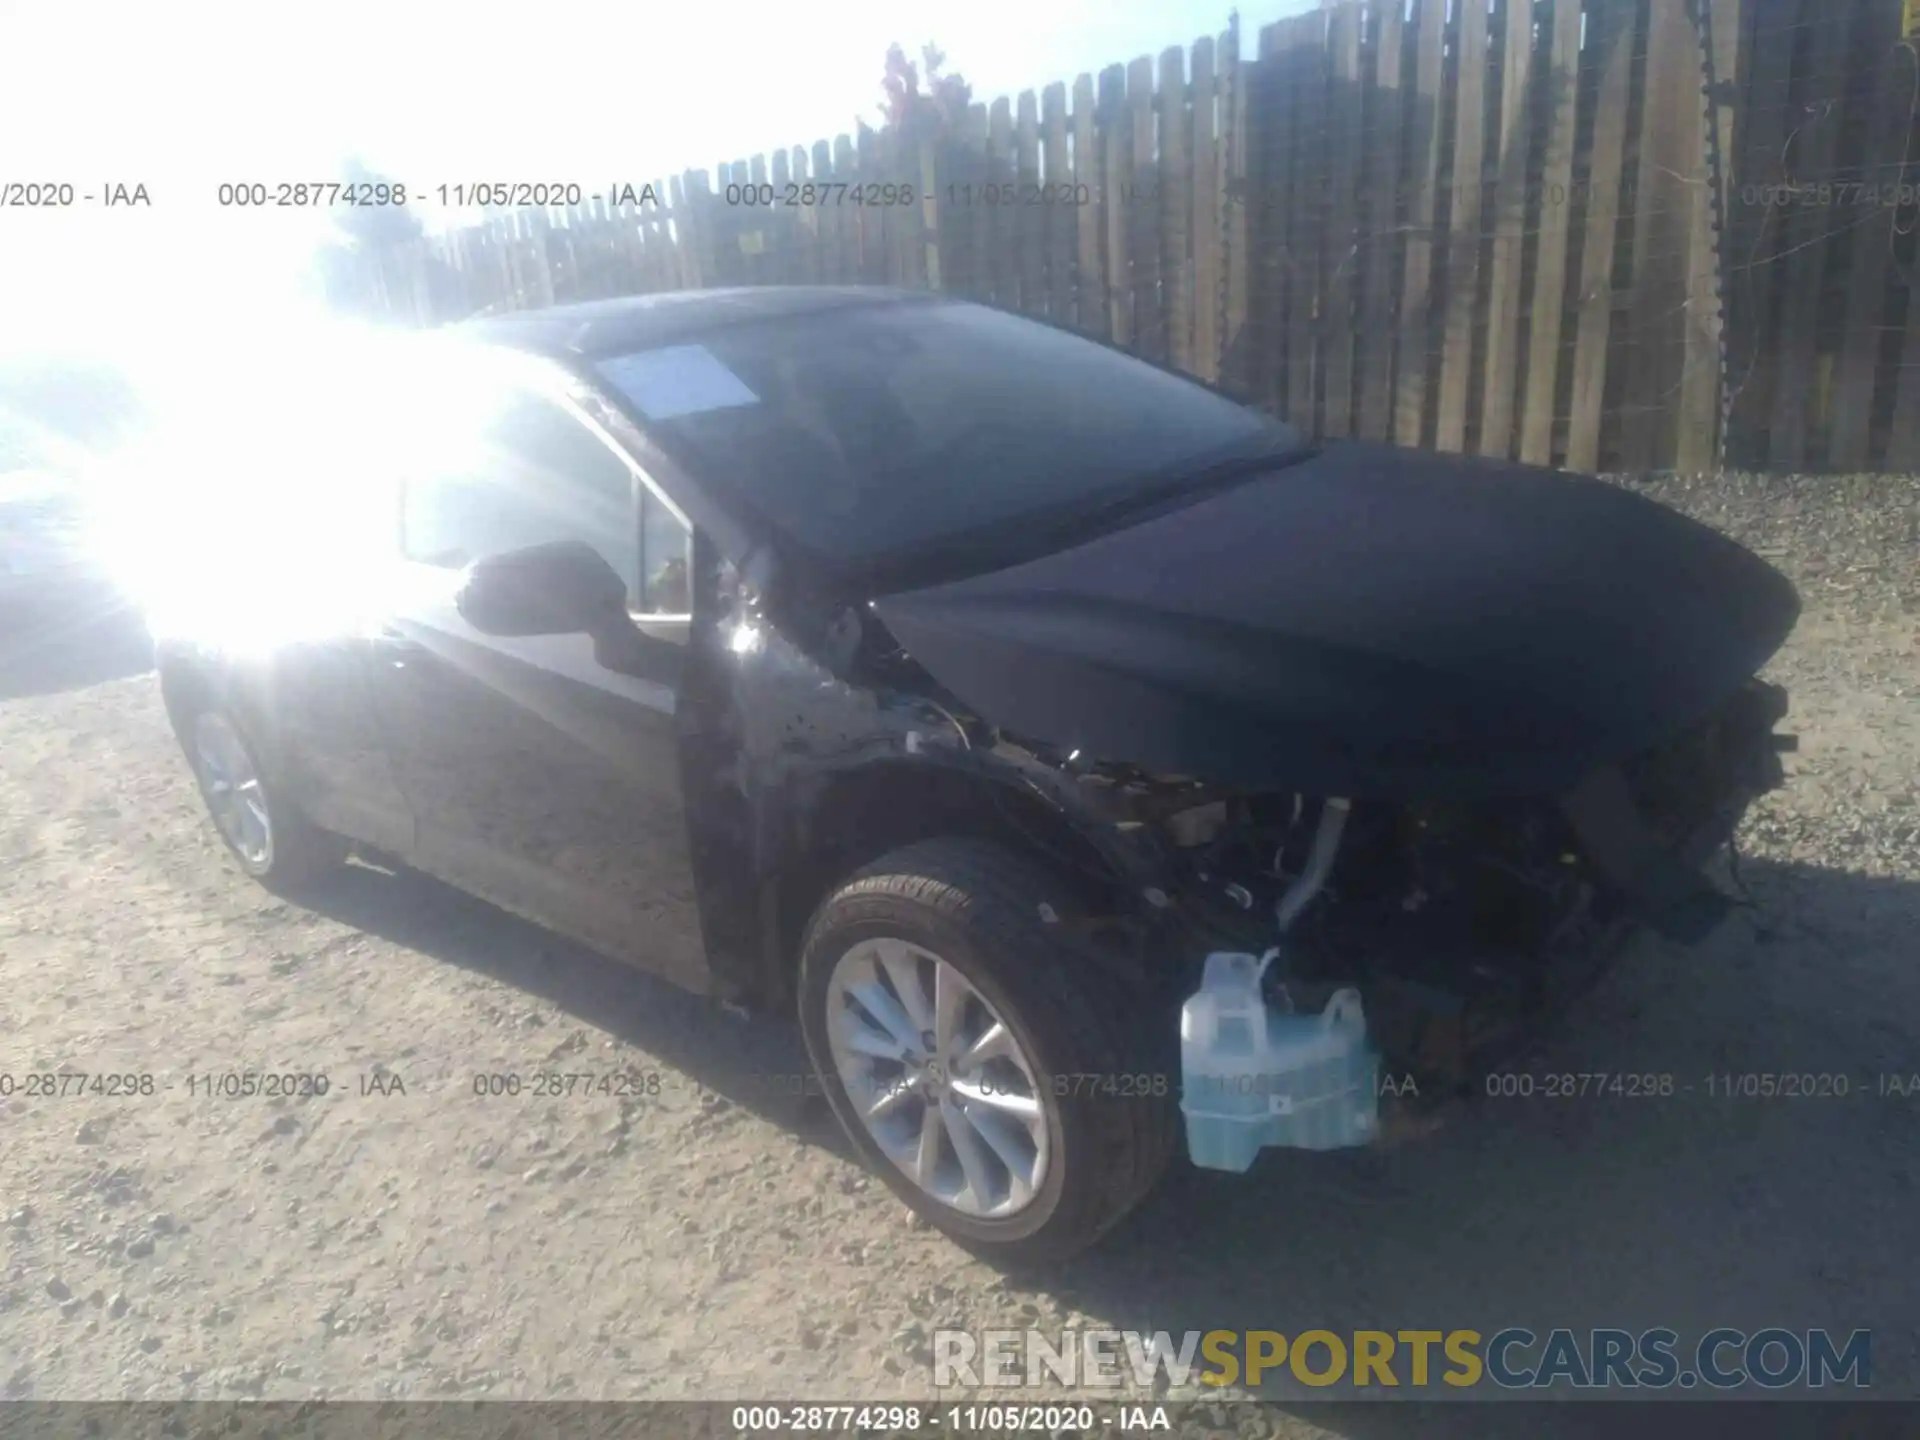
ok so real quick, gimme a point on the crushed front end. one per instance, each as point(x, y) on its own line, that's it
point(1461, 925)
point(1532, 688)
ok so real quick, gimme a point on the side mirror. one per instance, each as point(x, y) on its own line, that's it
point(562, 588)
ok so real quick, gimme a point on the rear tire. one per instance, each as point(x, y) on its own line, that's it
point(1030, 1186)
point(266, 833)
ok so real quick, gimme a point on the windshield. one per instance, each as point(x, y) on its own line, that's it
point(878, 429)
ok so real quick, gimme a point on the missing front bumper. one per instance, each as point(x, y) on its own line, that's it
point(1648, 829)
point(1649, 826)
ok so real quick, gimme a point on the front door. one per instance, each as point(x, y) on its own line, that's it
point(544, 772)
point(333, 745)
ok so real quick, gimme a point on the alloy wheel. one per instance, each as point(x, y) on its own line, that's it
point(231, 782)
point(938, 1078)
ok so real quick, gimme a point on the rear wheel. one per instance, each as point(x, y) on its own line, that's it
point(266, 833)
point(987, 1071)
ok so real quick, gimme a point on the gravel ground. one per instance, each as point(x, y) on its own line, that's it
point(403, 1238)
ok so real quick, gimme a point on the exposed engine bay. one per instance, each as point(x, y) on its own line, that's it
point(1461, 922)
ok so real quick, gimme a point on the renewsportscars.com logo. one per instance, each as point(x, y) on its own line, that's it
point(1513, 1359)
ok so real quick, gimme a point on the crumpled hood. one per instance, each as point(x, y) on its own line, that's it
point(1368, 622)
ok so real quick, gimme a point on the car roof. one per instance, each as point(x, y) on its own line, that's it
point(640, 322)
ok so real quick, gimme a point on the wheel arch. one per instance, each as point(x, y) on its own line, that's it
point(837, 823)
point(191, 678)
point(187, 682)
point(1068, 1017)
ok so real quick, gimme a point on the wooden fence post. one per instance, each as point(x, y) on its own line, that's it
point(1173, 207)
point(1815, 145)
point(1423, 180)
point(1386, 122)
point(1544, 359)
point(1304, 74)
point(1464, 225)
point(1205, 208)
point(535, 230)
point(1670, 350)
point(1143, 216)
point(1265, 211)
point(1118, 180)
point(1030, 256)
point(1003, 237)
point(1697, 397)
point(1509, 223)
point(1234, 327)
point(1061, 214)
point(929, 212)
point(846, 219)
point(1886, 116)
point(1090, 271)
point(1341, 137)
point(1611, 39)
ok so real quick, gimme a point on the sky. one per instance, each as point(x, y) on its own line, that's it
point(183, 95)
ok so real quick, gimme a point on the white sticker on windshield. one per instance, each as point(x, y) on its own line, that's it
point(679, 380)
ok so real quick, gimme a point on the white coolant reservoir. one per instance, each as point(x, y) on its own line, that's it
point(1254, 1076)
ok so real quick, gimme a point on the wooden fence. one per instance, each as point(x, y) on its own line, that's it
point(1630, 234)
point(1819, 253)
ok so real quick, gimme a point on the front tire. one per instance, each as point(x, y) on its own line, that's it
point(265, 832)
point(990, 1073)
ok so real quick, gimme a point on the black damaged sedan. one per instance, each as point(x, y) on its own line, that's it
point(963, 685)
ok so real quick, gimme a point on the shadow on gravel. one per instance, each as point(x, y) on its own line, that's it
point(758, 1062)
point(1690, 1212)
point(68, 642)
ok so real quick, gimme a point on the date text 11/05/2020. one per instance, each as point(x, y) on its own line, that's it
point(539, 194)
point(381, 194)
point(44, 194)
point(1523, 1085)
point(545, 1083)
point(808, 194)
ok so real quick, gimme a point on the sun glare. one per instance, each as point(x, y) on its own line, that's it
point(259, 506)
point(250, 502)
